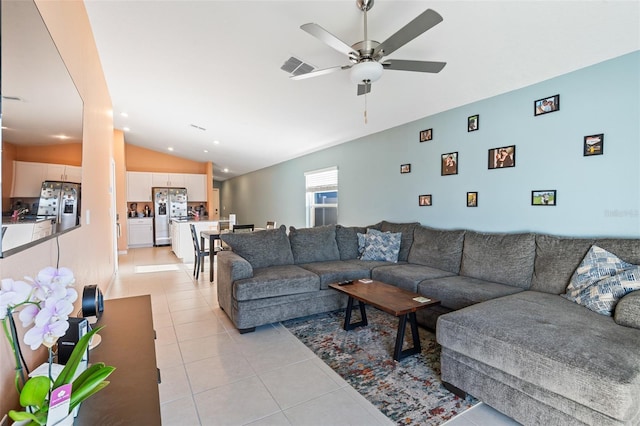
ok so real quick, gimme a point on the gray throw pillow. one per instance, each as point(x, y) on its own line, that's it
point(314, 244)
point(347, 239)
point(261, 248)
point(628, 310)
point(437, 248)
point(601, 280)
point(407, 235)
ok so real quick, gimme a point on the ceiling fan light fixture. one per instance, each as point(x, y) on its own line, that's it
point(366, 71)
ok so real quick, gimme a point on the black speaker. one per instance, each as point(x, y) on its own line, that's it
point(78, 327)
point(92, 302)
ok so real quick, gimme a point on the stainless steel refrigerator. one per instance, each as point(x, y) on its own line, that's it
point(60, 201)
point(169, 203)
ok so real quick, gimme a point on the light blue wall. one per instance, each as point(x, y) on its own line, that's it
point(597, 195)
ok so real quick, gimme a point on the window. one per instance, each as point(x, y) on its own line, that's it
point(322, 197)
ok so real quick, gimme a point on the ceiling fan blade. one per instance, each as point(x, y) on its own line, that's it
point(428, 19)
point(320, 72)
point(363, 89)
point(325, 36)
point(418, 66)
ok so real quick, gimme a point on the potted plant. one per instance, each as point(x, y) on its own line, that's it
point(45, 304)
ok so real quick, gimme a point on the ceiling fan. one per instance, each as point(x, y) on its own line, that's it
point(366, 55)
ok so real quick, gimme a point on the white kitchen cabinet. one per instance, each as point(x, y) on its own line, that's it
point(139, 186)
point(140, 232)
point(64, 173)
point(196, 187)
point(175, 180)
point(28, 176)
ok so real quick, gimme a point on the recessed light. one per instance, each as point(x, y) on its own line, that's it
point(62, 137)
point(216, 142)
point(206, 150)
point(170, 148)
point(225, 170)
point(124, 114)
point(126, 129)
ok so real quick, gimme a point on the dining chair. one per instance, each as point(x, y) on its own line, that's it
point(243, 227)
point(198, 253)
point(271, 224)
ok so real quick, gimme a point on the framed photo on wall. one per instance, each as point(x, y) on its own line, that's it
point(405, 168)
point(426, 135)
point(502, 157)
point(544, 197)
point(472, 199)
point(424, 200)
point(546, 105)
point(593, 145)
point(449, 164)
point(473, 123)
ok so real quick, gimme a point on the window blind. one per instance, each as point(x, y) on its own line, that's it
point(322, 180)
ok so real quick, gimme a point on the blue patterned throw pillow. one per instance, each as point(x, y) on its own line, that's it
point(381, 245)
point(601, 280)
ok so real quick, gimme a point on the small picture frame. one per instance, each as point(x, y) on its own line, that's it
point(426, 135)
point(449, 164)
point(546, 105)
point(593, 145)
point(405, 168)
point(545, 197)
point(472, 199)
point(473, 123)
point(502, 157)
point(424, 200)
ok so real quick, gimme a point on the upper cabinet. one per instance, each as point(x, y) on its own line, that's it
point(139, 184)
point(28, 177)
point(175, 180)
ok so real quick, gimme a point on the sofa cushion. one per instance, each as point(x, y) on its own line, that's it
point(407, 235)
point(261, 248)
point(314, 244)
point(628, 310)
point(501, 258)
point(406, 275)
point(337, 270)
point(347, 240)
point(601, 279)
point(556, 260)
point(437, 248)
point(627, 249)
point(551, 343)
point(458, 292)
point(381, 245)
point(275, 281)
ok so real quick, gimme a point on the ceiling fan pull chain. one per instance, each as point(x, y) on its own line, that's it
point(365, 109)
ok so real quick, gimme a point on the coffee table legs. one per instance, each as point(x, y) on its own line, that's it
point(348, 325)
point(398, 353)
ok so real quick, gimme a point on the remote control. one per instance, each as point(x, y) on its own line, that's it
point(345, 282)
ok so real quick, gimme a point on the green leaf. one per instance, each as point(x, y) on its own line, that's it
point(69, 370)
point(35, 391)
point(75, 402)
point(87, 373)
point(86, 389)
point(17, 416)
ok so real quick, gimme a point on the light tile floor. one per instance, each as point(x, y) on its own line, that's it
point(212, 375)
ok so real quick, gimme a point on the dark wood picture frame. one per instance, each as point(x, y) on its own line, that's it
point(472, 199)
point(546, 105)
point(424, 200)
point(593, 145)
point(544, 197)
point(426, 135)
point(473, 123)
point(449, 164)
point(502, 157)
point(405, 168)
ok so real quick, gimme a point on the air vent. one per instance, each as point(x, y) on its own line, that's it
point(198, 127)
point(11, 98)
point(296, 67)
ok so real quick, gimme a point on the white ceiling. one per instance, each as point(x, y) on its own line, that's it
point(216, 64)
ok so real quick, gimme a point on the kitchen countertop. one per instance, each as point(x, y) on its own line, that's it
point(6, 220)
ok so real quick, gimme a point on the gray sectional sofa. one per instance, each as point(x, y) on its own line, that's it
point(507, 336)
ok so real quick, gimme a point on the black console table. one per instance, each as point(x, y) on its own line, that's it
point(132, 397)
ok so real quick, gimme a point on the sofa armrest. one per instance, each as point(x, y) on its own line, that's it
point(231, 267)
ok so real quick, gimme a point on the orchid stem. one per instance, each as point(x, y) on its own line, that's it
point(13, 340)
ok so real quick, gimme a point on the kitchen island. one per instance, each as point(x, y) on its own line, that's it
point(24, 231)
point(181, 242)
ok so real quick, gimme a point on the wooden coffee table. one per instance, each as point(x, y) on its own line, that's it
point(390, 299)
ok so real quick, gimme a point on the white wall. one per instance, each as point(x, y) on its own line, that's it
point(596, 196)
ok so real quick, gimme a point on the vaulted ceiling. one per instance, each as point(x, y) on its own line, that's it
point(204, 77)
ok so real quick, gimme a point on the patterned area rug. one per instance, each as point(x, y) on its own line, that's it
point(409, 391)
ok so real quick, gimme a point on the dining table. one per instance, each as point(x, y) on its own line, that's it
point(212, 235)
